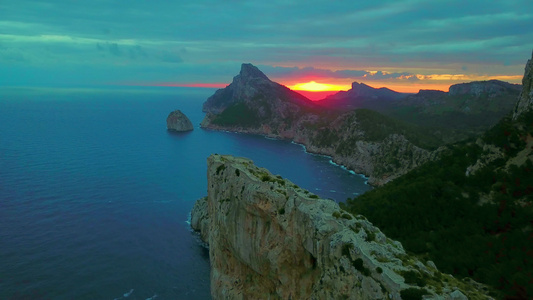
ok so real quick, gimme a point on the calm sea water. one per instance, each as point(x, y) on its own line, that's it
point(95, 192)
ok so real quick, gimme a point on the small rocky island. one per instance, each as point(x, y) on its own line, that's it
point(178, 121)
point(268, 238)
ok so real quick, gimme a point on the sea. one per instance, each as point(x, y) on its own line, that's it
point(95, 193)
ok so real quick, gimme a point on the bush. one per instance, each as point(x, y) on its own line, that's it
point(220, 168)
point(413, 294)
point(265, 177)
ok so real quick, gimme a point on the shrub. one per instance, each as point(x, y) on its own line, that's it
point(359, 265)
point(346, 216)
point(413, 294)
point(237, 172)
point(370, 236)
point(220, 168)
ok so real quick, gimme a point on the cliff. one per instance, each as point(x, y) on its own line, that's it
point(252, 103)
point(525, 100)
point(178, 121)
point(270, 239)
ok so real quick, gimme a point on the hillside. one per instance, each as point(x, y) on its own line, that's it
point(471, 211)
point(468, 109)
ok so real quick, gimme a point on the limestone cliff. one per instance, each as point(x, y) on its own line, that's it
point(525, 101)
point(269, 239)
point(178, 121)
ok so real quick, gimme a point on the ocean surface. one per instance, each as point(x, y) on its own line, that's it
point(95, 193)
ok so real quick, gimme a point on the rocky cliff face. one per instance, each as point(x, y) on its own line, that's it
point(178, 121)
point(254, 104)
point(525, 100)
point(269, 239)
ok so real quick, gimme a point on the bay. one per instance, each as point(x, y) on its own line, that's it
point(95, 193)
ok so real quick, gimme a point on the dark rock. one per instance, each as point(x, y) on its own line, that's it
point(525, 100)
point(178, 121)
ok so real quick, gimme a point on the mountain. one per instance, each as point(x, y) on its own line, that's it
point(268, 238)
point(252, 101)
point(468, 109)
point(471, 210)
point(362, 140)
point(362, 96)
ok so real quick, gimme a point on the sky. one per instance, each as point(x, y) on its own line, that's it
point(405, 45)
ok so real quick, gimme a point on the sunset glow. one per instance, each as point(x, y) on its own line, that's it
point(314, 86)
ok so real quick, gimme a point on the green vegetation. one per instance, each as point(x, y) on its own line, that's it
point(237, 172)
point(265, 178)
point(239, 114)
point(478, 226)
point(359, 266)
point(413, 277)
point(377, 127)
point(220, 169)
point(370, 236)
point(413, 294)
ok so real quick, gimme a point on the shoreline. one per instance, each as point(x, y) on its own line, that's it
point(331, 159)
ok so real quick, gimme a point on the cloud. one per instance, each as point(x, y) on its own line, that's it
point(397, 40)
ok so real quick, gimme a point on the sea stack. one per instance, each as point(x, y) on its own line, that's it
point(178, 121)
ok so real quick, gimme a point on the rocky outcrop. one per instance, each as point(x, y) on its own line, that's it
point(178, 121)
point(525, 100)
point(252, 103)
point(269, 239)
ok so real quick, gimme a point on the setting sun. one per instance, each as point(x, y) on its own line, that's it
point(314, 86)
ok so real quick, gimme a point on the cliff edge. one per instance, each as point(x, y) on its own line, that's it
point(268, 238)
point(525, 100)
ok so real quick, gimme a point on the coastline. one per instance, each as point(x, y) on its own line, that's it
point(306, 150)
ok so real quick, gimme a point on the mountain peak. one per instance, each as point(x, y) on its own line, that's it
point(356, 85)
point(249, 71)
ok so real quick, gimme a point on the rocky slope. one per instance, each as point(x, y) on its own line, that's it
point(525, 101)
point(254, 104)
point(178, 121)
point(270, 239)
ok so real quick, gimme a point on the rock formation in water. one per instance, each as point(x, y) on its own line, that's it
point(252, 103)
point(525, 101)
point(270, 239)
point(178, 121)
